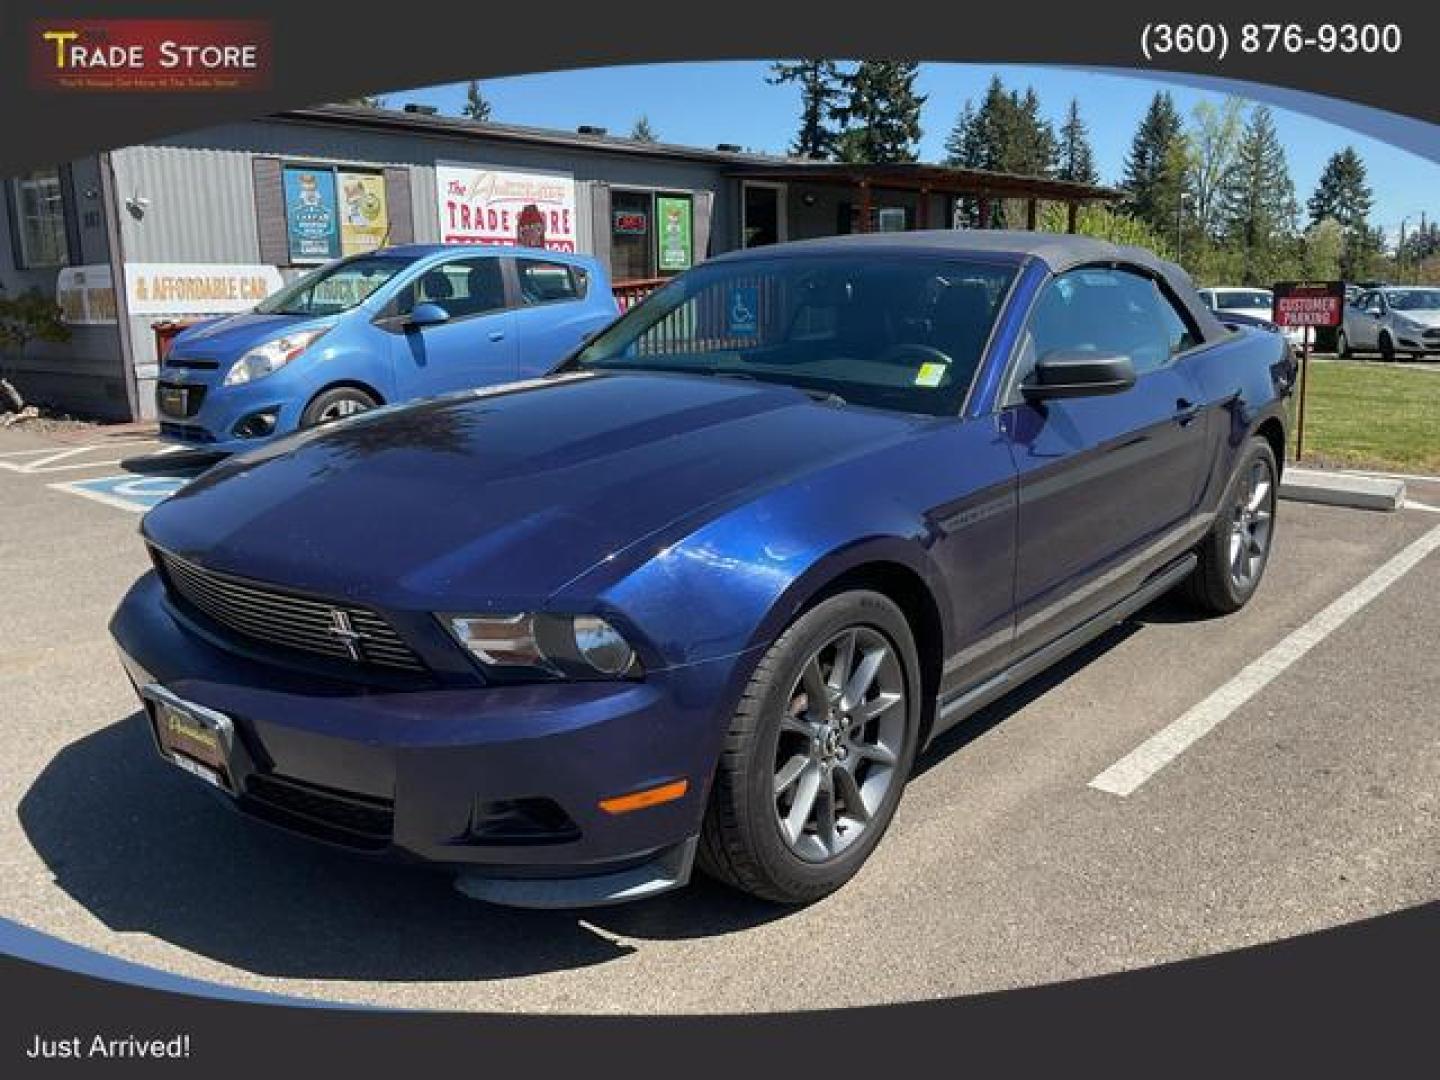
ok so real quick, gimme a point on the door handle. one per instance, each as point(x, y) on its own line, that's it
point(497, 335)
point(1185, 412)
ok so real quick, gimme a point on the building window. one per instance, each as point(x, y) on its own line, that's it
point(37, 206)
point(651, 234)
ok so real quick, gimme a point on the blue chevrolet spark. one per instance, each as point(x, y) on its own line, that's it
point(387, 327)
point(703, 593)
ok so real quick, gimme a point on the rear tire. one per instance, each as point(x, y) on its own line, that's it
point(1342, 346)
point(336, 404)
point(1387, 348)
point(805, 788)
point(1234, 553)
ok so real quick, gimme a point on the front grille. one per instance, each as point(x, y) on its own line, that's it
point(341, 632)
point(191, 362)
point(341, 817)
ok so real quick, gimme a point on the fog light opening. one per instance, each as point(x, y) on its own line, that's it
point(257, 425)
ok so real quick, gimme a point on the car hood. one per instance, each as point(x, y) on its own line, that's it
point(228, 338)
point(506, 493)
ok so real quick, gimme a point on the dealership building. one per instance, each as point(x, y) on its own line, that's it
point(209, 222)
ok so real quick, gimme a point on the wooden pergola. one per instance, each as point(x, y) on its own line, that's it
point(926, 180)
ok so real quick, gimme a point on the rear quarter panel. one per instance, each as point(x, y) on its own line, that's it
point(1247, 377)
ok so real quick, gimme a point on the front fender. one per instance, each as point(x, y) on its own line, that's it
point(735, 583)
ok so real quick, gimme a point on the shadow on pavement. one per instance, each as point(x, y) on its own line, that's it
point(146, 849)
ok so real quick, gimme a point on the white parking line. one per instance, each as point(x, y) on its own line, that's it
point(1127, 775)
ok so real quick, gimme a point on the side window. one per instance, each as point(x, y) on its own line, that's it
point(545, 282)
point(1105, 310)
point(463, 287)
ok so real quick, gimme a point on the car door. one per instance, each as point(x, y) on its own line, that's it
point(474, 346)
point(1108, 485)
point(553, 311)
point(1366, 317)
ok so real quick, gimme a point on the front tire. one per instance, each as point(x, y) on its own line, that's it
point(336, 404)
point(1235, 551)
point(817, 754)
point(1387, 348)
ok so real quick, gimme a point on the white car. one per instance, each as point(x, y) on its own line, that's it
point(1392, 320)
point(1249, 301)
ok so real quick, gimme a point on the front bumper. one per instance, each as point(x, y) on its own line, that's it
point(422, 775)
point(222, 409)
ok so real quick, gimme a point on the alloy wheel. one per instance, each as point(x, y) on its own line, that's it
point(840, 741)
point(338, 410)
point(1251, 521)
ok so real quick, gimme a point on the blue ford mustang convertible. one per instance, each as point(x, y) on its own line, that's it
point(705, 590)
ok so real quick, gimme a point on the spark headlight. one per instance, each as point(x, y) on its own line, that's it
point(545, 646)
point(270, 357)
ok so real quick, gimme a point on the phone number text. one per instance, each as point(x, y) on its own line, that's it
point(1217, 39)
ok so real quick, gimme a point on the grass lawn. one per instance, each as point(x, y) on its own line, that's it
point(1372, 416)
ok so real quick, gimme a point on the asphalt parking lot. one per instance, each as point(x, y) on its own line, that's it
point(1292, 782)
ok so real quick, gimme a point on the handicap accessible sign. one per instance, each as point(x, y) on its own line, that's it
point(744, 310)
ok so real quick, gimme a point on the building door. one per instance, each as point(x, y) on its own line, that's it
point(764, 220)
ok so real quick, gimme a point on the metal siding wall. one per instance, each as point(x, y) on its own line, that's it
point(202, 205)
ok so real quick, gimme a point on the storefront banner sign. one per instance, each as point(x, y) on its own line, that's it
point(364, 215)
point(477, 205)
point(311, 216)
point(197, 288)
point(86, 295)
point(674, 239)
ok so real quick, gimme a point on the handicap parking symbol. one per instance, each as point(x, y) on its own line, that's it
point(744, 310)
point(126, 492)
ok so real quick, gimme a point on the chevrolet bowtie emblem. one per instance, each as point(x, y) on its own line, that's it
point(348, 635)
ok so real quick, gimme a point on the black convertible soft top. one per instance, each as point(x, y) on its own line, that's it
point(1058, 251)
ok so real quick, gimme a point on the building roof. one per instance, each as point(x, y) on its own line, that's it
point(942, 179)
point(463, 127)
point(922, 176)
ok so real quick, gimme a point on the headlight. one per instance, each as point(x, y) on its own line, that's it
point(271, 357)
point(545, 646)
point(1408, 325)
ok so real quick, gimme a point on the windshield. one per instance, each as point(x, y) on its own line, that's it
point(1414, 299)
point(894, 332)
point(1242, 300)
point(337, 287)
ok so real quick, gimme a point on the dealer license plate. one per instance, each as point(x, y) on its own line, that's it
point(194, 738)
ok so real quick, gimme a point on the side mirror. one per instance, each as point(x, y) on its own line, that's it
point(427, 315)
point(1076, 374)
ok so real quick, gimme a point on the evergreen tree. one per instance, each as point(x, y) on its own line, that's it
point(642, 132)
point(476, 107)
point(881, 113)
point(1005, 134)
point(1257, 200)
point(1150, 181)
point(1076, 159)
point(1344, 196)
point(821, 97)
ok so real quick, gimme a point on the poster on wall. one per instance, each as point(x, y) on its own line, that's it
point(674, 235)
point(478, 205)
point(197, 288)
point(311, 217)
point(364, 215)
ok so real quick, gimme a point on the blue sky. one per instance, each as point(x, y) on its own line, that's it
point(707, 103)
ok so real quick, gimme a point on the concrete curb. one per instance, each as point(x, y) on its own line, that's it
point(1342, 489)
